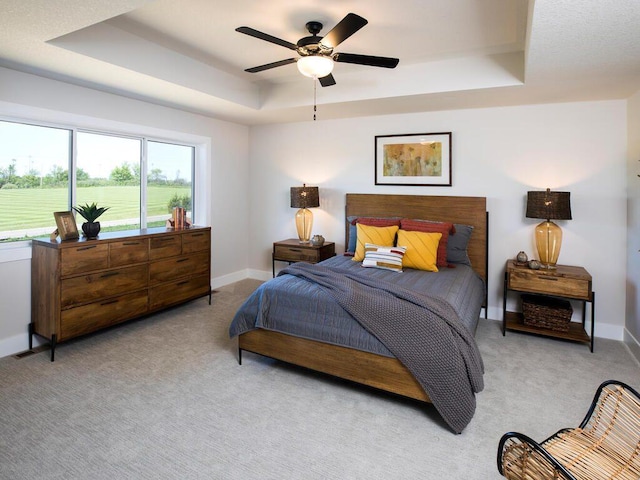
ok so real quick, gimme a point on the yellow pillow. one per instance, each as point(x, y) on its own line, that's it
point(382, 236)
point(422, 249)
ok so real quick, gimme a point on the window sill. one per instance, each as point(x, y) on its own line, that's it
point(13, 252)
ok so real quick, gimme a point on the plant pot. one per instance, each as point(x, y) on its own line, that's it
point(91, 229)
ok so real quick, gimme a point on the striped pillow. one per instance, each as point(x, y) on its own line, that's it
point(383, 236)
point(388, 258)
point(421, 250)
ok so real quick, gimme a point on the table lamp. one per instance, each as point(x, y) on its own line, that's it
point(550, 206)
point(304, 198)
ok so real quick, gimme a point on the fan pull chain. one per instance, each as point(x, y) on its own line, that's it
point(315, 88)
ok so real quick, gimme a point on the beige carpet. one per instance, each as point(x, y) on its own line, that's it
point(164, 398)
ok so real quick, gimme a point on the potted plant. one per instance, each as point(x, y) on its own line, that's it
point(90, 212)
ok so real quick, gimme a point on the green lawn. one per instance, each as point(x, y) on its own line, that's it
point(34, 207)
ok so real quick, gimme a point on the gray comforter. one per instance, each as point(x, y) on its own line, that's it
point(422, 331)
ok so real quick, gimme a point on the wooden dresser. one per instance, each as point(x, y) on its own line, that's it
point(80, 286)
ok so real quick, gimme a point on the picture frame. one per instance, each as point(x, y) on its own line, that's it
point(413, 159)
point(66, 223)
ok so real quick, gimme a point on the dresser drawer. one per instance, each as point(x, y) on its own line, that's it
point(295, 254)
point(84, 258)
point(87, 288)
point(127, 252)
point(88, 318)
point(195, 241)
point(174, 268)
point(165, 246)
point(178, 291)
point(531, 281)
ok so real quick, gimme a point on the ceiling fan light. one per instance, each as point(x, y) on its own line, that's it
point(315, 66)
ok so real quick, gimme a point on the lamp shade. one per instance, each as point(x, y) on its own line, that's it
point(315, 66)
point(549, 205)
point(305, 197)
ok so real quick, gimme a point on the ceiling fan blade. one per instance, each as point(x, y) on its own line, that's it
point(271, 65)
point(327, 81)
point(343, 30)
point(386, 62)
point(266, 37)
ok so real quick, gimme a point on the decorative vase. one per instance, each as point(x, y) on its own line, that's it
point(534, 265)
point(317, 240)
point(522, 258)
point(91, 229)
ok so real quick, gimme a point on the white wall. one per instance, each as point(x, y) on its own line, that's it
point(224, 166)
point(500, 153)
point(632, 334)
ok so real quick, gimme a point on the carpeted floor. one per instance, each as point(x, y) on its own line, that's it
point(164, 398)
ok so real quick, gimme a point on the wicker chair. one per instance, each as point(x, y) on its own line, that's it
point(606, 445)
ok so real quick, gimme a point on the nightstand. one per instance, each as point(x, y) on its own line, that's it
point(564, 282)
point(291, 250)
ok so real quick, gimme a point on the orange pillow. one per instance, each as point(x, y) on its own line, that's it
point(382, 236)
point(444, 228)
point(421, 248)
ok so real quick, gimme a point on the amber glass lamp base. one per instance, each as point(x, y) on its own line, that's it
point(548, 243)
point(304, 221)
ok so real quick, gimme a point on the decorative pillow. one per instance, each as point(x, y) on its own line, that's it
point(371, 221)
point(457, 245)
point(444, 228)
point(387, 258)
point(383, 236)
point(421, 249)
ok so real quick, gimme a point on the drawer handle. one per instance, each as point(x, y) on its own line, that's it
point(166, 239)
point(182, 260)
point(109, 302)
point(197, 234)
point(550, 279)
point(131, 243)
point(109, 274)
point(295, 250)
point(86, 248)
point(182, 283)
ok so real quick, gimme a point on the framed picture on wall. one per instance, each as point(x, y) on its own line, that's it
point(418, 159)
point(67, 228)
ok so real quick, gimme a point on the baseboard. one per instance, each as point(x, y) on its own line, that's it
point(17, 344)
point(633, 344)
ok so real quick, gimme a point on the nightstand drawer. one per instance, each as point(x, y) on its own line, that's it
point(539, 282)
point(295, 254)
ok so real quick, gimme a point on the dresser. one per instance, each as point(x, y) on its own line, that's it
point(81, 286)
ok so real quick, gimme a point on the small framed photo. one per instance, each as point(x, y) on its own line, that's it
point(418, 159)
point(67, 228)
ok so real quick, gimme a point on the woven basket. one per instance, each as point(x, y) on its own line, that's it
point(546, 312)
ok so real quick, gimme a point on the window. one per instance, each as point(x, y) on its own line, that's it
point(34, 178)
point(169, 180)
point(108, 173)
point(140, 180)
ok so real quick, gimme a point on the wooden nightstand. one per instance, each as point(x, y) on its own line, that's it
point(291, 250)
point(565, 282)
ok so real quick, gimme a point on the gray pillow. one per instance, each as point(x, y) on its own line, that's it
point(457, 245)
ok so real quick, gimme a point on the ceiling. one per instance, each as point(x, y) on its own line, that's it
point(453, 54)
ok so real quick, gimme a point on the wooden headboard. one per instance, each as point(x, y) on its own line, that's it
point(464, 210)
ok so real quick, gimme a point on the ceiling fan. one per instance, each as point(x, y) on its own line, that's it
point(316, 52)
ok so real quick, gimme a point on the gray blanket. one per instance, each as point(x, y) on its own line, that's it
point(424, 333)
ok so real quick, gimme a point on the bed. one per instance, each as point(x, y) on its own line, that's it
point(295, 321)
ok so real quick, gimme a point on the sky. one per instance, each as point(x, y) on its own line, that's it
point(42, 148)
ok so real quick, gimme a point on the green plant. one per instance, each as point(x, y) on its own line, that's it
point(90, 212)
point(183, 201)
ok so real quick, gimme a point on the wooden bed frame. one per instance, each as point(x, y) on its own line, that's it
point(366, 368)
